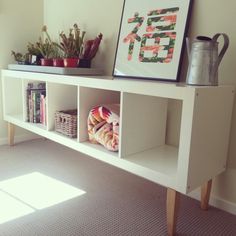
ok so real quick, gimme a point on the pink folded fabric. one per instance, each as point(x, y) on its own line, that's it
point(103, 126)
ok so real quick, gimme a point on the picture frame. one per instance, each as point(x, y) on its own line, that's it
point(151, 39)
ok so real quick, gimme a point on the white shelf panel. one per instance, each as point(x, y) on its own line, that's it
point(56, 70)
point(162, 159)
point(98, 148)
point(152, 88)
point(158, 175)
point(18, 120)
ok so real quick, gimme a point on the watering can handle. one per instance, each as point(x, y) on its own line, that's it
point(223, 50)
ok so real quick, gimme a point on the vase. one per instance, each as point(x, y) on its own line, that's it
point(58, 62)
point(46, 62)
point(71, 62)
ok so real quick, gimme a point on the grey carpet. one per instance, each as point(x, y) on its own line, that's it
point(116, 203)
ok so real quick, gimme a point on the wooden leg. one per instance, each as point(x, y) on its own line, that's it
point(172, 202)
point(205, 194)
point(11, 133)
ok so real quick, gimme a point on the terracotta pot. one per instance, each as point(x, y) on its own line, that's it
point(46, 62)
point(71, 62)
point(58, 62)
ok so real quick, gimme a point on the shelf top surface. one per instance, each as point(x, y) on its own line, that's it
point(145, 87)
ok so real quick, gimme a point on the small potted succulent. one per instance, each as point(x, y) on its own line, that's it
point(31, 57)
point(34, 54)
point(72, 46)
point(23, 59)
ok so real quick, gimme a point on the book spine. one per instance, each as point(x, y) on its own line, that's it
point(33, 93)
point(42, 109)
point(27, 105)
point(30, 108)
point(37, 106)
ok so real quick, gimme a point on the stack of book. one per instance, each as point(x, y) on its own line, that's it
point(36, 102)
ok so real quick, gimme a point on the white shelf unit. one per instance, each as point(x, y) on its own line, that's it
point(172, 134)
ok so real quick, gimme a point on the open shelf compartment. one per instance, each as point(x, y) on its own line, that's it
point(150, 132)
point(34, 102)
point(89, 98)
point(60, 97)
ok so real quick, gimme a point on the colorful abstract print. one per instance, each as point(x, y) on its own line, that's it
point(160, 31)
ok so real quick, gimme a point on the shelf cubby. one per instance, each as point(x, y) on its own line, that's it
point(143, 125)
point(89, 98)
point(25, 86)
point(59, 97)
point(148, 133)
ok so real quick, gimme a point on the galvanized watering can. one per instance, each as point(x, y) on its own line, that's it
point(204, 59)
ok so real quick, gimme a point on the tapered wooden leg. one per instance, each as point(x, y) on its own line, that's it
point(11, 133)
point(205, 194)
point(172, 203)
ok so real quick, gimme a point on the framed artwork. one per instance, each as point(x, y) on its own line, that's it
point(151, 37)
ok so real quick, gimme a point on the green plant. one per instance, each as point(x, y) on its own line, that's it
point(21, 58)
point(56, 51)
point(45, 46)
point(26, 58)
point(72, 45)
point(33, 50)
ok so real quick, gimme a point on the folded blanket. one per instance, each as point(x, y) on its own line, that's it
point(103, 126)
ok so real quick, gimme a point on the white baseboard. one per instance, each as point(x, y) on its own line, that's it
point(19, 138)
point(216, 202)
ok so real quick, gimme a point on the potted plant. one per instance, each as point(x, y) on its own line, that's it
point(72, 46)
point(56, 53)
point(90, 51)
point(20, 58)
point(46, 49)
point(57, 59)
point(34, 54)
point(45, 46)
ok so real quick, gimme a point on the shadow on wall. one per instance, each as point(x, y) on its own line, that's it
point(103, 59)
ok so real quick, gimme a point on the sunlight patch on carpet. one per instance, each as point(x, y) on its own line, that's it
point(28, 193)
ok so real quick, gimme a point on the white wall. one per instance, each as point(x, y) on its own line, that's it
point(206, 19)
point(93, 17)
point(20, 22)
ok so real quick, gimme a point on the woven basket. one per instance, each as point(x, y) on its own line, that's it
point(66, 122)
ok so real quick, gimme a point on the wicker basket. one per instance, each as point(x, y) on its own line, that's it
point(66, 122)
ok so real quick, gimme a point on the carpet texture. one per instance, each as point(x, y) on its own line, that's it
point(116, 202)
